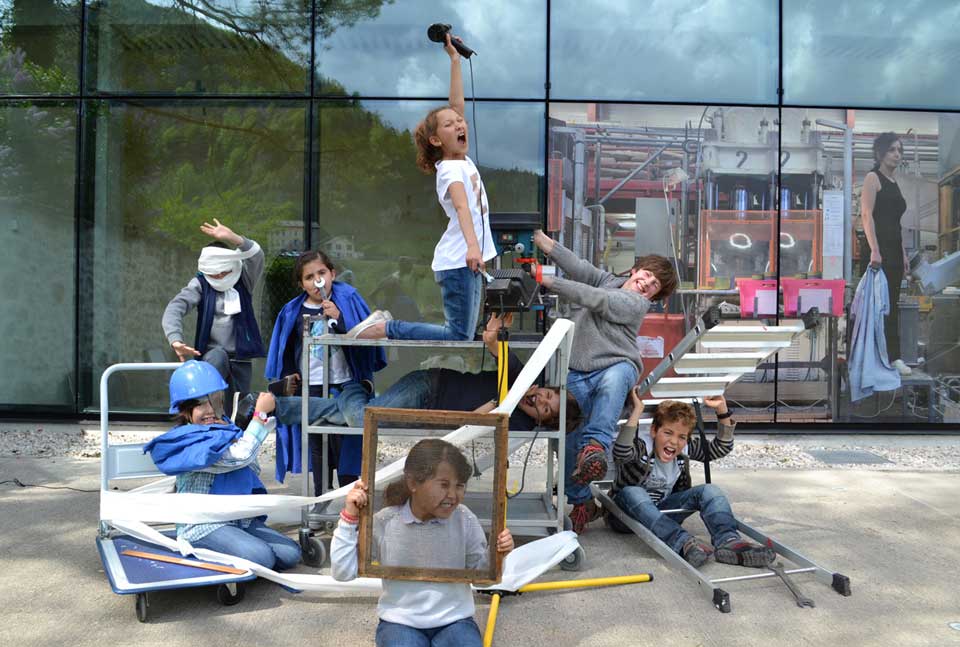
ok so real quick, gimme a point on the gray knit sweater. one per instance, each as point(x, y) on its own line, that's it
point(608, 319)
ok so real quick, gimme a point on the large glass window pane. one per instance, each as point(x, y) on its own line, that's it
point(381, 49)
point(906, 207)
point(37, 270)
point(161, 170)
point(883, 54)
point(39, 46)
point(689, 183)
point(198, 47)
point(379, 217)
point(665, 50)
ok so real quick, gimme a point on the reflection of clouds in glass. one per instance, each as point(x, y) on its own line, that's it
point(510, 134)
point(392, 56)
point(664, 49)
point(900, 55)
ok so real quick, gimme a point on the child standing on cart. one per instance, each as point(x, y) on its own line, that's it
point(467, 244)
point(210, 455)
point(342, 308)
point(604, 360)
point(653, 474)
point(227, 334)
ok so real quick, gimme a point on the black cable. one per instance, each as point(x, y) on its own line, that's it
point(523, 472)
point(20, 483)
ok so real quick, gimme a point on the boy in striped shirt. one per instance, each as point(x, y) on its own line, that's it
point(654, 475)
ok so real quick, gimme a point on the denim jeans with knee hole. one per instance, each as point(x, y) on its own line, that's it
point(461, 290)
point(462, 633)
point(708, 499)
point(601, 395)
point(256, 543)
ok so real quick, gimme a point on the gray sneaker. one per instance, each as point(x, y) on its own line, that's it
point(375, 317)
point(695, 553)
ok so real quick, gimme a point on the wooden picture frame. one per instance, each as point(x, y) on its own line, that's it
point(377, 417)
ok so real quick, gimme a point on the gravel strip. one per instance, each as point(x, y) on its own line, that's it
point(927, 454)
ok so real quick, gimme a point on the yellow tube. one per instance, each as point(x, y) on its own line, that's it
point(491, 620)
point(579, 584)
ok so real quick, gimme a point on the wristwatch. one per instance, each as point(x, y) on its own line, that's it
point(261, 416)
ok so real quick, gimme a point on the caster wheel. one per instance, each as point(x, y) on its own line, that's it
point(314, 552)
point(230, 594)
point(567, 524)
point(141, 605)
point(573, 561)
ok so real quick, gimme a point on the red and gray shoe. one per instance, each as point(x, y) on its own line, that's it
point(744, 553)
point(584, 513)
point(591, 464)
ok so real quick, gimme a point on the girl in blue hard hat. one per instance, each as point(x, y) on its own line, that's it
point(210, 455)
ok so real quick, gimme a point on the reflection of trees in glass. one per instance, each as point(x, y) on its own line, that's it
point(39, 45)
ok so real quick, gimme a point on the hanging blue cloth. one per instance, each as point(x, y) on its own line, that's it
point(869, 366)
point(191, 448)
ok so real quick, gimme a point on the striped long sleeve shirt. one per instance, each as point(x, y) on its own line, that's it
point(635, 458)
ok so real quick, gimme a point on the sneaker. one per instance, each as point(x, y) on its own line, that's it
point(744, 553)
point(695, 552)
point(243, 409)
point(582, 514)
point(591, 464)
point(375, 317)
point(902, 367)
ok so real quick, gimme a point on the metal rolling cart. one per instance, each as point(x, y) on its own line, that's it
point(529, 513)
point(135, 567)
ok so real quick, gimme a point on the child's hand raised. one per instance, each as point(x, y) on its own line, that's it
point(543, 242)
point(221, 232)
point(717, 402)
point(451, 50)
point(356, 499)
point(505, 541)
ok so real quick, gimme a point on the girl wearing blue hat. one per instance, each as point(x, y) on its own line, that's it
point(210, 455)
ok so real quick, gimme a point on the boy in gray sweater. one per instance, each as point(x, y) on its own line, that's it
point(227, 333)
point(604, 360)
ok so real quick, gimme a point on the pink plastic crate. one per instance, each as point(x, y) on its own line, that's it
point(815, 292)
point(765, 292)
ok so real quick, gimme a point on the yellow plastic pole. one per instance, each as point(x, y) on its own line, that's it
point(580, 584)
point(491, 620)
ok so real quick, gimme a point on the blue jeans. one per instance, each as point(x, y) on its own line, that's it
point(462, 633)
point(708, 499)
point(601, 395)
point(461, 290)
point(256, 543)
point(412, 391)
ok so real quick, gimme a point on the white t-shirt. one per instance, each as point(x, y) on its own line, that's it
point(451, 252)
point(662, 477)
point(339, 368)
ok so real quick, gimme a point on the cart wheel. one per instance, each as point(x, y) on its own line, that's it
point(573, 561)
point(230, 594)
point(314, 552)
point(567, 524)
point(140, 605)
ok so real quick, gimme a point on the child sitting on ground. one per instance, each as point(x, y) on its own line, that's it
point(604, 361)
point(227, 334)
point(654, 475)
point(211, 455)
point(423, 524)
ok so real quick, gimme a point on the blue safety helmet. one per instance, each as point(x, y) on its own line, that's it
point(193, 380)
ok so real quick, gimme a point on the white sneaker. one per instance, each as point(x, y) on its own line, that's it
point(375, 317)
point(901, 367)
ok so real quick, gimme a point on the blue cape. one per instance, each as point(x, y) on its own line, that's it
point(363, 362)
point(190, 448)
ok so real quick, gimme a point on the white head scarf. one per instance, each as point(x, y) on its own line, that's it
point(214, 260)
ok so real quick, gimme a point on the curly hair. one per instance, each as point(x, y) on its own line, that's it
point(428, 154)
point(662, 268)
point(421, 465)
point(674, 411)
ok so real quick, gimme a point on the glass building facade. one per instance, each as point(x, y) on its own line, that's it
point(724, 133)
